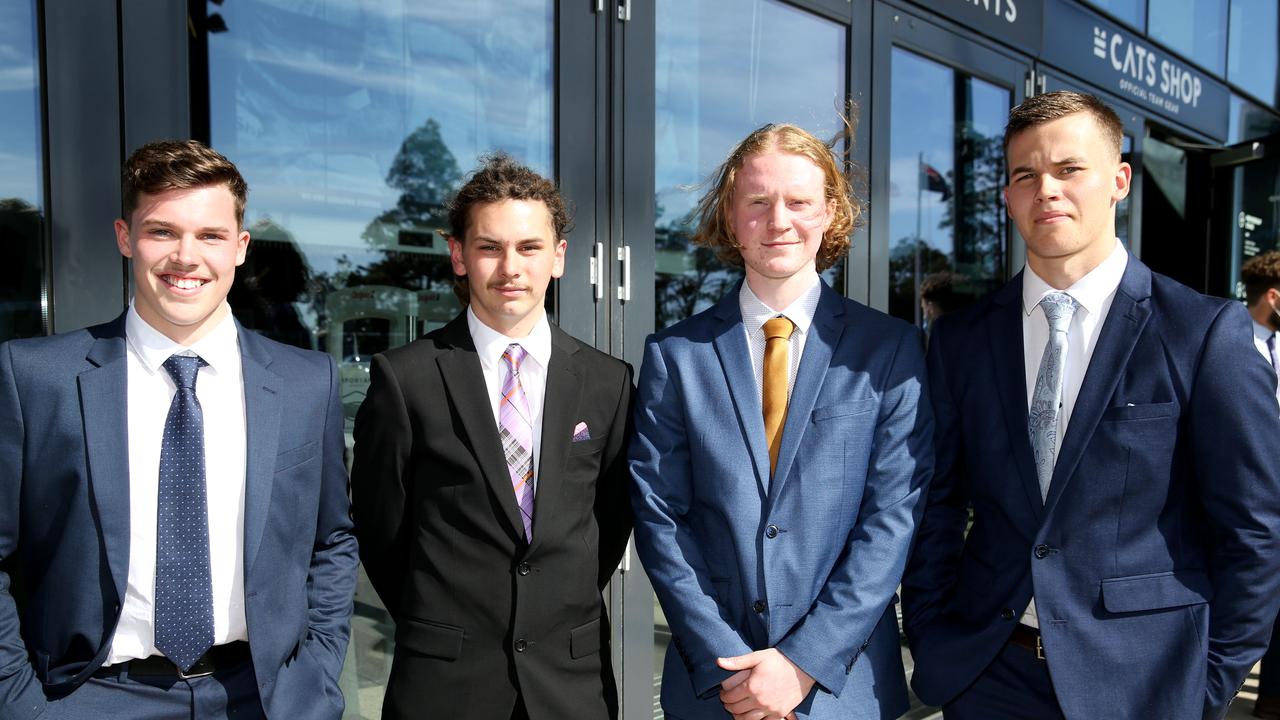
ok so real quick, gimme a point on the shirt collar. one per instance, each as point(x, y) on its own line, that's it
point(1262, 332)
point(1091, 291)
point(220, 347)
point(490, 344)
point(755, 313)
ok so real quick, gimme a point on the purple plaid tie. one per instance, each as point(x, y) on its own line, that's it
point(516, 429)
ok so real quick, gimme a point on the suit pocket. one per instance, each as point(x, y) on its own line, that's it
point(1146, 411)
point(430, 638)
point(587, 447)
point(584, 639)
point(296, 456)
point(1157, 591)
point(852, 407)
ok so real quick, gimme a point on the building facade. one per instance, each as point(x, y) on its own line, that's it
point(352, 123)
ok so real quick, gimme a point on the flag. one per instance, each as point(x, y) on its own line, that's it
point(932, 180)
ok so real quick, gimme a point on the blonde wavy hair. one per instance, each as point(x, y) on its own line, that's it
point(714, 206)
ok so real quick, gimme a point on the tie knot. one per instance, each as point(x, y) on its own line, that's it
point(779, 327)
point(1059, 308)
point(514, 355)
point(183, 369)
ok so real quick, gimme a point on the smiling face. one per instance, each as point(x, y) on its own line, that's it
point(185, 246)
point(778, 215)
point(1065, 179)
point(509, 256)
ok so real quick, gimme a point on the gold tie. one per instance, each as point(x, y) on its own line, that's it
point(777, 369)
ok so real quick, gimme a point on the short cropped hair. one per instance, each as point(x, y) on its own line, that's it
point(499, 178)
point(714, 206)
point(178, 165)
point(943, 289)
point(1047, 107)
point(1260, 273)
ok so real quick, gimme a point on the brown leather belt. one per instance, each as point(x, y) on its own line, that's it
point(1025, 636)
point(218, 657)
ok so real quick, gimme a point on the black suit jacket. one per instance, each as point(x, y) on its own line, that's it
point(482, 615)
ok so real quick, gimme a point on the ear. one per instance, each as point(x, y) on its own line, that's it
point(242, 247)
point(1004, 192)
point(455, 257)
point(557, 268)
point(1124, 176)
point(122, 239)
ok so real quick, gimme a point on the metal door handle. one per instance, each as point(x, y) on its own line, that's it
point(624, 290)
point(597, 271)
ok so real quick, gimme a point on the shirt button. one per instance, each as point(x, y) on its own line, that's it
point(1006, 614)
point(521, 645)
point(1042, 552)
point(758, 606)
point(771, 532)
point(523, 568)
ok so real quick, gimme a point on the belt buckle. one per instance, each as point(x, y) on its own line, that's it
point(196, 673)
point(1039, 648)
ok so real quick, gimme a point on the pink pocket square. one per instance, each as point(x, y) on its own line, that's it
point(580, 432)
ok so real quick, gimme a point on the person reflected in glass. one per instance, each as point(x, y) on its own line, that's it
point(783, 443)
point(173, 499)
point(941, 294)
point(489, 480)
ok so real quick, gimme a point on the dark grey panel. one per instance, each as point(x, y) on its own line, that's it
point(155, 60)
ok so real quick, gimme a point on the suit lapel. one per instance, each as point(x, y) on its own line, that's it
point(825, 333)
point(1005, 331)
point(262, 389)
point(464, 381)
point(104, 399)
point(1125, 321)
point(561, 400)
point(735, 361)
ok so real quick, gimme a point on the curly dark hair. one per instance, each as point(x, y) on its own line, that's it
point(499, 178)
point(1260, 274)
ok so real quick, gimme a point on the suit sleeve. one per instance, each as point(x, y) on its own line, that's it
point(1233, 428)
point(828, 640)
point(612, 509)
point(383, 442)
point(661, 496)
point(331, 582)
point(21, 695)
point(932, 568)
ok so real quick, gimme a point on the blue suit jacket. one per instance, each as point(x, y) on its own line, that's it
point(808, 562)
point(1154, 558)
point(64, 519)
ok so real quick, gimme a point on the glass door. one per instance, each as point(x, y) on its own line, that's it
point(940, 234)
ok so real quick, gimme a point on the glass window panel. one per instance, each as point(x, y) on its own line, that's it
point(353, 123)
point(718, 77)
point(1124, 207)
point(1130, 11)
point(22, 265)
point(947, 225)
point(1252, 56)
point(1195, 28)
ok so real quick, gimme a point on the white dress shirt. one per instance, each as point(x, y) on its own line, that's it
point(490, 344)
point(1094, 292)
point(220, 390)
point(1261, 333)
point(755, 314)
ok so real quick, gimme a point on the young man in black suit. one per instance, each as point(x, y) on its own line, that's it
point(489, 480)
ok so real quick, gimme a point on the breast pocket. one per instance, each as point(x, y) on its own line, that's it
point(296, 456)
point(844, 409)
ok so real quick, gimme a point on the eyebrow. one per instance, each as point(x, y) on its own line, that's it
point(486, 238)
point(151, 224)
point(1058, 163)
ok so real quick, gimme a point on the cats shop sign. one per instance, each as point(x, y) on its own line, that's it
point(1122, 62)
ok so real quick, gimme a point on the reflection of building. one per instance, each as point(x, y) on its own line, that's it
point(353, 121)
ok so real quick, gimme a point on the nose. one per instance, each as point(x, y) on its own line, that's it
point(1047, 188)
point(779, 217)
point(508, 262)
point(184, 253)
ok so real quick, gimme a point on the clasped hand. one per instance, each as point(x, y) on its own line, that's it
point(765, 686)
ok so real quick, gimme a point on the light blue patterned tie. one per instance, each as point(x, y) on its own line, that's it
point(1046, 399)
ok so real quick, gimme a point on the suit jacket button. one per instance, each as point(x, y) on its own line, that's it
point(1042, 552)
point(1006, 614)
point(521, 645)
point(523, 568)
point(758, 606)
point(771, 532)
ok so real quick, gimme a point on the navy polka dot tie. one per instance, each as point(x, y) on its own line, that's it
point(184, 588)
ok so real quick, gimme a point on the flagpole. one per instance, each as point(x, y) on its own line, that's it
point(916, 245)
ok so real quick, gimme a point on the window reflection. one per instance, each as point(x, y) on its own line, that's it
point(1253, 53)
point(717, 79)
point(22, 265)
point(353, 123)
point(1195, 28)
point(1130, 11)
point(947, 223)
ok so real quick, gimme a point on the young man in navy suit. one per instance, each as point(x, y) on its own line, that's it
point(490, 480)
point(173, 499)
point(783, 444)
point(1106, 427)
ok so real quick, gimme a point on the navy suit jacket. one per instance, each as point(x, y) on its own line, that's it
point(1154, 560)
point(809, 560)
point(64, 519)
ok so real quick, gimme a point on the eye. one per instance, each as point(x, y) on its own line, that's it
point(1071, 169)
point(800, 203)
point(160, 232)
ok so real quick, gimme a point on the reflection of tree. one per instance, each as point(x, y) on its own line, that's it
point(702, 279)
point(21, 265)
point(976, 212)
